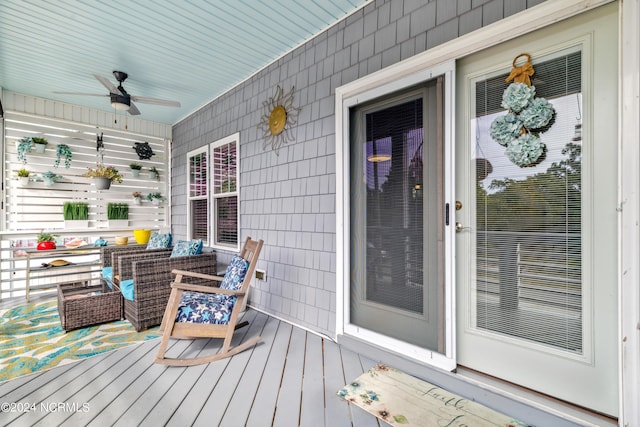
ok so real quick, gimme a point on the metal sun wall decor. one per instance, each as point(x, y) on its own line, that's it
point(278, 118)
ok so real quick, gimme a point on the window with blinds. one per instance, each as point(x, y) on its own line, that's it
point(213, 193)
point(528, 229)
point(198, 191)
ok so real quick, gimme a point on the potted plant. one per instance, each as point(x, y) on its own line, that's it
point(24, 146)
point(137, 197)
point(76, 214)
point(118, 215)
point(104, 176)
point(135, 168)
point(50, 178)
point(155, 198)
point(153, 173)
point(63, 150)
point(46, 241)
point(23, 176)
point(39, 143)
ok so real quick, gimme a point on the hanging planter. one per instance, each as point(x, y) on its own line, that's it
point(135, 169)
point(23, 177)
point(103, 176)
point(40, 144)
point(155, 198)
point(63, 151)
point(50, 178)
point(102, 183)
point(24, 146)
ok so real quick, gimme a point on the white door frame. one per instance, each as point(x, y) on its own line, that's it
point(516, 25)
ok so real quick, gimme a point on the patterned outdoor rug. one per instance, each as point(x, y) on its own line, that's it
point(400, 399)
point(32, 340)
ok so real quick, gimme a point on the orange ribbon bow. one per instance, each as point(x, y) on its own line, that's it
point(523, 73)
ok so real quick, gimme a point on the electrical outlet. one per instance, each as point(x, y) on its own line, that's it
point(261, 274)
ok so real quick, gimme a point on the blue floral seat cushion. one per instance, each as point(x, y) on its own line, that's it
point(107, 276)
point(198, 307)
point(186, 248)
point(234, 276)
point(159, 241)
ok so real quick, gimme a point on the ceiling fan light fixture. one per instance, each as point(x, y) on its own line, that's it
point(120, 102)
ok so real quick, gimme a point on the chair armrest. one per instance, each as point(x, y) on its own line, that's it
point(205, 289)
point(180, 273)
point(122, 263)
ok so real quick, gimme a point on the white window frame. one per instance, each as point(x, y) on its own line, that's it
point(190, 198)
point(234, 138)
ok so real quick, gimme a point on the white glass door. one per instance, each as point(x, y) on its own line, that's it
point(536, 259)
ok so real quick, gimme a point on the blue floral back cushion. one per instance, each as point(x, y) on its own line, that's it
point(234, 276)
point(159, 241)
point(186, 248)
point(197, 307)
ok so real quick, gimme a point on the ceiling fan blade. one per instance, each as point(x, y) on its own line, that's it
point(133, 110)
point(80, 93)
point(145, 100)
point(106, 83)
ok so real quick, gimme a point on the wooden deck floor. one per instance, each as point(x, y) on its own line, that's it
point(289, 379)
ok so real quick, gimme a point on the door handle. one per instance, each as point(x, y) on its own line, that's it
point(460, 227)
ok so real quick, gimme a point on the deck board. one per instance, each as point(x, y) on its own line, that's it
point(312, 400)
point(214, 409)
point(290, 378)
point(239, 407)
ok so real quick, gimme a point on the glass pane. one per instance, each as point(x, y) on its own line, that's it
point(198, 175)
point(227, 220)
point(199, 216)
point(224, 168)
point(528, 239)
point(395, 206)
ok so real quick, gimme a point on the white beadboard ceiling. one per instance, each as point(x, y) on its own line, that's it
point(180, 50)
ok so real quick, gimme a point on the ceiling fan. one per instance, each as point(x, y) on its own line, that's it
point(120, 99)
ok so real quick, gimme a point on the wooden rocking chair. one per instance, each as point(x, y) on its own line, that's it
point(197, 311)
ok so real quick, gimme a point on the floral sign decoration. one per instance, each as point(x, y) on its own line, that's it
point(519, 130)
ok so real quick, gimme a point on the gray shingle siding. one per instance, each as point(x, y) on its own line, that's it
point(289, 199)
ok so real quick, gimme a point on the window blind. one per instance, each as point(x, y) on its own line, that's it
point(529, 222)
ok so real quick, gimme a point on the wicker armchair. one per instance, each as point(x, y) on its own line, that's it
point(152, 277)
point(109, 258)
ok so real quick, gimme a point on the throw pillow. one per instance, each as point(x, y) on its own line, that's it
point(235, 273)
point(159, 241)
point(186, 248)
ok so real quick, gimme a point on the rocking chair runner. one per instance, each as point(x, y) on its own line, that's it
point(196, 311)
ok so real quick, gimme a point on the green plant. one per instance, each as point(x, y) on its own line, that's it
point(24, 146)
point(117, 211)
point(154, 173)
point(75, 210)
point(102, 171)
point(39, 140)
point(63, 150)
point(135, 166)
point(46, 237)
point(152, 196)
point(23, 173)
